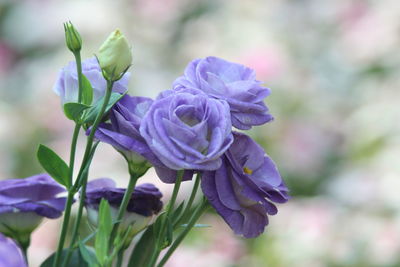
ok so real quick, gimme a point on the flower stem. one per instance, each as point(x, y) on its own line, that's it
point(74, 141)
point(170, 208)
point(185, 213)
point(196, 215)
point(79, 72)
point(64, 228)
point(124, 204)
point(90, 139)
point(80, 211)
point(84, 167)
point(72, 154)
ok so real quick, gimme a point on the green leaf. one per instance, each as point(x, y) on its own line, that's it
point(74, 111)
point(54, 165)
point(166, 242)
point(144, 249)
point(87, 91)
point(103, 233)
point(88, 255)
point(176, 214)
point(76, 259)
point(164, 239)
point(94, 110)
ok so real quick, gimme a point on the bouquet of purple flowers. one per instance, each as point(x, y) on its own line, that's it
point(185, 133)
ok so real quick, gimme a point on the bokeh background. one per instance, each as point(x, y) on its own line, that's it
point(333, 67)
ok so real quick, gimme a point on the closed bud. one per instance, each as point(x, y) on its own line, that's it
point(72, 38)
point(114, 56)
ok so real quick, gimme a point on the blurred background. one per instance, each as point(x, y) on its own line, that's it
point(333, 67)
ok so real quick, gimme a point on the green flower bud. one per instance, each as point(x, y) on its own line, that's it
point(72, 38)
point(114, 56)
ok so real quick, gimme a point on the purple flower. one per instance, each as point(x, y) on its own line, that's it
point(66, 85)
point(10, 254)
point(232, 82)
point(143, 205)
point(123, 134)
point(243, 188)
point(187, 131)
point(24, 203)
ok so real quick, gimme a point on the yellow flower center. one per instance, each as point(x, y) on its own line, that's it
point(247, 170)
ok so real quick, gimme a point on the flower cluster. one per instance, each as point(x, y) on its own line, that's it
point(185, 130)
point(190, 128)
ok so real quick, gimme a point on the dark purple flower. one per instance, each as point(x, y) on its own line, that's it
point(66, 85)
point(24, 202)
point(232, 82)
point(243, 188)
point(188, 131)
point(143, 205)
point(123, 134)
point(10, 254)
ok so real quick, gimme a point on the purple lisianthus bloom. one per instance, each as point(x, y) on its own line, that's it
point(123, 134)
point(188, 131)
point(67, 87)
point(143, 205)
point(10, 254)
point(24, 203)
point(232, 82)
point(243, 188)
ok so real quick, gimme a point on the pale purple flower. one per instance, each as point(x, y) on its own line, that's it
point(24, 203)
point(243, 188)
point(10, 254)
point(188, 131)
point(66, 85)
point(123, 134)
point(144, 204)
point(231, 82)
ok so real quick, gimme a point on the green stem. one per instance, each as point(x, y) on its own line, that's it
point(178, 182)
point(124, 204)
point(170, 208)
point(196, 215)
point(73, 150)
point(74, 141)
point(91, 136)
point(184, 214)
point(82, 169)
point(64, 229)
point(79, 72)
point(80, 211)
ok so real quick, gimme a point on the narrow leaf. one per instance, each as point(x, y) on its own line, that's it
point(176, 214)
point(168, 235)
point(74, 111)
point(144, 249)
point(103, 233)
point(87, 91)
point(54, 165)
point(94, 110)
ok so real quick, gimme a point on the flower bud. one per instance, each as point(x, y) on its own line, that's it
point(114, 56)
point(143, 206)
point(72, 38)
